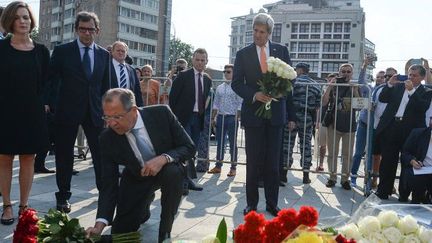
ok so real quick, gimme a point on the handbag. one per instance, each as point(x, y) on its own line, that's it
point(328, 117)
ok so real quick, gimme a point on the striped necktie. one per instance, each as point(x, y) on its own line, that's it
point(123, 81)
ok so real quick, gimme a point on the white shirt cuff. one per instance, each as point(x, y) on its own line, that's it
point(254, 98)
point(102, 220)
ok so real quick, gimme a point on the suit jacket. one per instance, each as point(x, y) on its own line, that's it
point(414, 115)
point(247, 72)
point(77, 95)
point(166, 135)
point(182, 95)
point(133, 82)
point(416, 146)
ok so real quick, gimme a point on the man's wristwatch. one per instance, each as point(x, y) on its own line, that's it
point(168, 158)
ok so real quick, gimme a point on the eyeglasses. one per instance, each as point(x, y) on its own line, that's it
point(227, 71)
point(84, 30)
point(345, 71)
point(115, 117)
point(388, 76)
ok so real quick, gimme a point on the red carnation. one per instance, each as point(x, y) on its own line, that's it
point(241, 235)
point(288, 218)
point(254, 221)
point(342, 239)
point(274, 231)
point(308, 216)
point(27, 228)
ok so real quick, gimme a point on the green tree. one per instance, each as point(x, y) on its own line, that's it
point(179, 49)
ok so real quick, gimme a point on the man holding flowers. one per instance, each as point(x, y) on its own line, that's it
point(263, 135)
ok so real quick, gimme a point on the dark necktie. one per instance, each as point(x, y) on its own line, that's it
point(143, 146)
point(86, 62)
point(200, 96)
point(123, 81)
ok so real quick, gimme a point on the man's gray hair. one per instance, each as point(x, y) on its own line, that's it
point(420, 68)
point(126, 97)
point(264, 19)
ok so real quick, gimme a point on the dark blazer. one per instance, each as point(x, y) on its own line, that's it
point(414, 116)
point(416, 146)
point(133, 79)
point(77, 95)
point(166, 135)
point(247, 72)
point(182, 95)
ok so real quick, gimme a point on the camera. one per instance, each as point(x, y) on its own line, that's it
point(179, 69)
point(402, 77)
point(340, 80)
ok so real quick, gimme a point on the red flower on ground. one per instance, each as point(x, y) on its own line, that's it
point(274, 231)
point(27, 228)
point(254, 220)
point(308, 216)
point(341, 239)
point(288, 218)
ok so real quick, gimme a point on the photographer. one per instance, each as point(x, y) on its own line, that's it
point(181, 64)
point(341, 124)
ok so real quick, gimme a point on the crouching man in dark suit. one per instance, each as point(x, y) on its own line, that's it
point(152, 145)
point(417, 153)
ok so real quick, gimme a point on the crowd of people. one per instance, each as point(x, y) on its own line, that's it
point(83, 86)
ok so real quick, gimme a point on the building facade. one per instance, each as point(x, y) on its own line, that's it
point(144, 25)
point(322, 33)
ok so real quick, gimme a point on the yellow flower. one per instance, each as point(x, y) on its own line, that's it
point(307, 237)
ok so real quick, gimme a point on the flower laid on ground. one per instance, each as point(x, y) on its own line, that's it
point(387, 227)
point(276, 83)
point(257, 229)
point(27, 228)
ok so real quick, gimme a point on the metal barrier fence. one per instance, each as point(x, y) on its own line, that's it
point(294, 147)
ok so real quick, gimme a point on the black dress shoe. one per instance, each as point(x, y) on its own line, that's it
point(381, 196)
point(306, 179)
point(163, 236)
point(75, 172)
point(273, 210)
point(64, 206)
point(194, 187)
point(346, 185)
point(248, 209)
point(330, 183)
point(281, 184)
point(43, 170)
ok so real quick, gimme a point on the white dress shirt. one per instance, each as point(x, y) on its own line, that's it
point(116, 65)
point(405, 99)
point(266, 49)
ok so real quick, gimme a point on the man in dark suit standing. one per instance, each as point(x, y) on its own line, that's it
point(152, 145)
point(407, 103)
point(417, 154)
point(81, 70)
point(123, 75)
point(263, 136)
point(187, 100)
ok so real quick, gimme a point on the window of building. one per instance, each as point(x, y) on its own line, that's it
point(69, 1)
point(234, 29)
point(337, 36)
point(55, 31)
point(304, 28)
point(293, 36)
point(142, 32)
point(354, 25)
point(327, 27)
point(332, 47)
point(303, 36)
point(347, 27)
point(68, 28)
point(69, 13)
point(308, 46)
point(330, 66)
point(242, 28)
point(136, 2)
point(154, 4)
point(293, 55)
point(140, 46)
point(308, 55)
point(316, 27)
point(315, 36)
point(352, 45)
point(330, 56)
point(349, 4)
point(234, 40)
point(248, 36)
point(249, 24)
point(346, 36)
point(233, 50)
point(294, 28)
point(294, 46)
point(277, 33)
point(344, 56)
point(241, 40)
point(337, 27)
point(134, 14)
point(345, 46)
point(327, 36)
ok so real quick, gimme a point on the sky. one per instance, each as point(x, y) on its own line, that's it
point(400, 29)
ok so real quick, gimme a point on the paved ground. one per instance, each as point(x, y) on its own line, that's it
point(200, 212)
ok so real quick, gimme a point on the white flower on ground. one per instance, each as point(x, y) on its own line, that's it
point(210, 239)
point(392, 234)
point(363, 240)
point(369, 225)
point(408, 224)
point(425, 235)
point(350, 231)
point(388, 218)
point(377, 238)
point(412, 238)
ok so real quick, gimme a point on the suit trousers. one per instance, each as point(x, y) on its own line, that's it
point(133, 192)
point(392, 139)
point(419, 185)
point(193, 129)
point(263, 146)
point(333, 139)
point(65, 140)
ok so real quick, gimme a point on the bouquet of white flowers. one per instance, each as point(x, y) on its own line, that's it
point(276, 83)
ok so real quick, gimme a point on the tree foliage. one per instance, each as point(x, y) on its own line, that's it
point(179, 49)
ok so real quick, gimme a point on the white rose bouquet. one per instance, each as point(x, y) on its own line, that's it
point(276, 82)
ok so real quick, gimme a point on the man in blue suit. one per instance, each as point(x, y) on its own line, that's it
point(123, 75)
point(81, 70)
point(263, 136)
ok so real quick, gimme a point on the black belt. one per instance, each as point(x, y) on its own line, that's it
point(225, 115)
point(399, 119)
